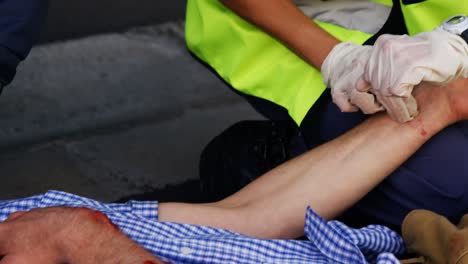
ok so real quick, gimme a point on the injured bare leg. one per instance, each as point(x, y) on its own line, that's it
point(332, 177)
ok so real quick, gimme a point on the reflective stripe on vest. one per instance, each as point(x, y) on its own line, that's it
point(255, 63)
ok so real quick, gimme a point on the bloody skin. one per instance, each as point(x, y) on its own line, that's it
point(418, 124)
point(101, 218)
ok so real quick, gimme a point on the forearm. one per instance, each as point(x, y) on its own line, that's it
point(330, 178)
point(284, 21)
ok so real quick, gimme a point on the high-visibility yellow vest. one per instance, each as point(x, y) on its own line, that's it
point(257, 64)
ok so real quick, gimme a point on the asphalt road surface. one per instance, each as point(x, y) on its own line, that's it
point(77, 18)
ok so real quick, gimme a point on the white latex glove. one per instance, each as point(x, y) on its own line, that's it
point(343, 72)
point(398, 63)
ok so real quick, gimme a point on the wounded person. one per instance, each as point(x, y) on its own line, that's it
point(259, 223)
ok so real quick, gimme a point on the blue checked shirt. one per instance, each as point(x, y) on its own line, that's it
point(328, 242)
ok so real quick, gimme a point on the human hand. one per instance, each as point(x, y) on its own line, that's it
point(343, 72)
point(398, 63)
point(66, 235)
point(440, 105)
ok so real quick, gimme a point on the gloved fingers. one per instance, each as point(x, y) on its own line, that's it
point(405, 84)
point(427, 69)
point(397, 111)
point(344, 87)
point(400, 109)
point(441, 65)
point(366, 102)
point(330, 67)
point(362, 85)
point(397, 63)
point(464, 71)
point(401, 47)
point(364, 99)
point(384, 71)
point(388, 41)
point(342, 59)
point(341, 99)
point(356, 100)
point(359, 91)
point(412, 105)
point(343, 71)
point(438, 34)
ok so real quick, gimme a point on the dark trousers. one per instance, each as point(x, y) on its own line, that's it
point(20, 24)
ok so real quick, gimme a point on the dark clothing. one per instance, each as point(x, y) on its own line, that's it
point(20, 24)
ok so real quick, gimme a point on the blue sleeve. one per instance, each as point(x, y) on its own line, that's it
point(20, 24)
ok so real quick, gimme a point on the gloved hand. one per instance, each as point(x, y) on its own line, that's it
point(343, 72)
point(398, 63)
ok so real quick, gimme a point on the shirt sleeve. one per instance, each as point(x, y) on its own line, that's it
point(11, 206)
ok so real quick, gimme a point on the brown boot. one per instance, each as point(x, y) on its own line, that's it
point(463, 237)
point(435, 238)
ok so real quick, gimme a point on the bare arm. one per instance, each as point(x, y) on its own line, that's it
point(67, 235)
point(284, 21)
point(329, 178)
point(332, 177)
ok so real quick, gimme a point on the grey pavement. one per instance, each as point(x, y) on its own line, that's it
point(111, 115)
point(78, 18)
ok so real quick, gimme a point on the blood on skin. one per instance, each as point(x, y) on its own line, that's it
point(419, 125)
point(101, 218)
point(423, 132)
